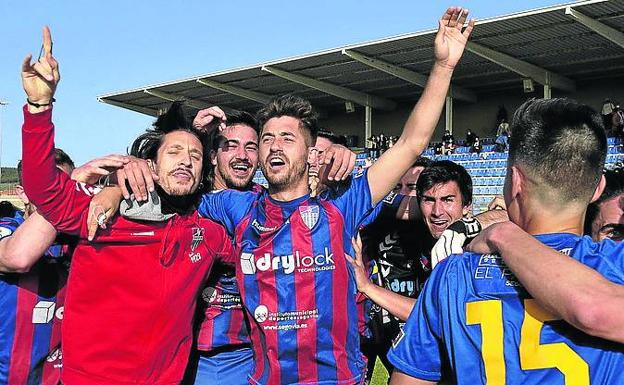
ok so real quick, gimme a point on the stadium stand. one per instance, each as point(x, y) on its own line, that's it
point(487, 169)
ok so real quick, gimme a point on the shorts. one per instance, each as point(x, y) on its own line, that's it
point(227, 367)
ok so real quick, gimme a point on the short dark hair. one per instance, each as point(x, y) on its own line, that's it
point(613, 188)
point(174, 119)
point(421, 161)
point(443, 171)
point(295, 107)
point(331, 136)
point(562, 143)
point(233, 118)
point(60, 158)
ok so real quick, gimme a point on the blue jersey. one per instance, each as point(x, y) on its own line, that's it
point(298, 290)
point(31, 309)
point(477, 322)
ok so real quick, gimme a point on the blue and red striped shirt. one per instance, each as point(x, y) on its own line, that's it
point(223, 320)
point(31, 310)
point(298, 289)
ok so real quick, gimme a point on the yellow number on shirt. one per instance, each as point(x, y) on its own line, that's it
point(533, 355)
point(489, 314)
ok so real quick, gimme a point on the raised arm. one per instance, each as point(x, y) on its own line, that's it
point(565, 287)
point(50, 189)
point(449, 47)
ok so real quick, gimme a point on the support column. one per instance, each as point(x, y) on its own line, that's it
point(547, 88)
point(547, 91)
point(449, 113)
point(368, 123)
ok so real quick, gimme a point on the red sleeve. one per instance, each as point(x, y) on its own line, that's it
point(59, 199)
point(226, 251)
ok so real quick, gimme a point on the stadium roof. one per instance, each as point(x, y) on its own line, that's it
point(557, 46)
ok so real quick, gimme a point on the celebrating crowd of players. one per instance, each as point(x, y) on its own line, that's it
point(184, 270)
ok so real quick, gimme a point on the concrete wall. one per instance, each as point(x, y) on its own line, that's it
point(480, 116)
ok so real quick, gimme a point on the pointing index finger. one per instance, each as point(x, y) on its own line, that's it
point(47, 40)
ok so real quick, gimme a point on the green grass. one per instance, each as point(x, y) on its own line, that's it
point(380, 374)
point(9, 175)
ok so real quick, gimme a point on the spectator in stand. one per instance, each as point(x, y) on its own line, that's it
point(476, 145)
point(374, 147)
point(607, 113)
point(448, 142)
point(502, 142)
point(470, 138)
point(617, 122)
point(502, 127)
point(605, 216)
point(502, 115)
point(438, 148)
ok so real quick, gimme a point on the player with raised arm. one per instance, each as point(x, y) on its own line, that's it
point(297, 286)
point(475, 323)
point(295, 281)
point(131, 294)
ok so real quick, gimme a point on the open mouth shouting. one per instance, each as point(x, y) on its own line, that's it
point(241, 168)
point(276, 163)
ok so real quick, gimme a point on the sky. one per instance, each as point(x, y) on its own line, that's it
point(113, 45)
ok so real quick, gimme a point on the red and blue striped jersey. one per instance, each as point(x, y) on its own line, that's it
point(31, 310)
point(298, 290)
point(476, 324)
point(222, 319)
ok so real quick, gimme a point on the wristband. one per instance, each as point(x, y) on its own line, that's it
point(470, 227)
point(37, 105)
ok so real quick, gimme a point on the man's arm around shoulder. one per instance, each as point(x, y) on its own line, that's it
point(20, 250)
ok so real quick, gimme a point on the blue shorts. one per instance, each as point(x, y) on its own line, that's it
point(227, 368)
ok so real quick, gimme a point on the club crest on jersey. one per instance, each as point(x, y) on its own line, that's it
point(309, 215)
point(198, 236)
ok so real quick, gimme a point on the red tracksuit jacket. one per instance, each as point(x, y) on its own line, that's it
point(131, 293)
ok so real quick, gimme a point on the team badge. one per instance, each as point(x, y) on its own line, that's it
point(309, 215)
point(198, 236)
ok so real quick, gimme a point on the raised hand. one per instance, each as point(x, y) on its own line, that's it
point(450, 40)
point(210, 118)
point(339, 162)
point(362, 278)
point(40, 78)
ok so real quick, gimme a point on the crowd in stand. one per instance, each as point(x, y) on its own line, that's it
point(169, 265)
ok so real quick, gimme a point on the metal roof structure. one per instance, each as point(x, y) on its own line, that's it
point(555, 46)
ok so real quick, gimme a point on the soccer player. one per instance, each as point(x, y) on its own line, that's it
point(33, 274)
point(225, 355)
point(443, 195)
point(32, 287)
point(605, 216)
point(132, 292)
point(296, 284)
point(474, 322)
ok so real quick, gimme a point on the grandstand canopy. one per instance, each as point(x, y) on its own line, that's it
point(555, 46)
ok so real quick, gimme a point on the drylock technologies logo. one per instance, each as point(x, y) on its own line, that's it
point(287, 263)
